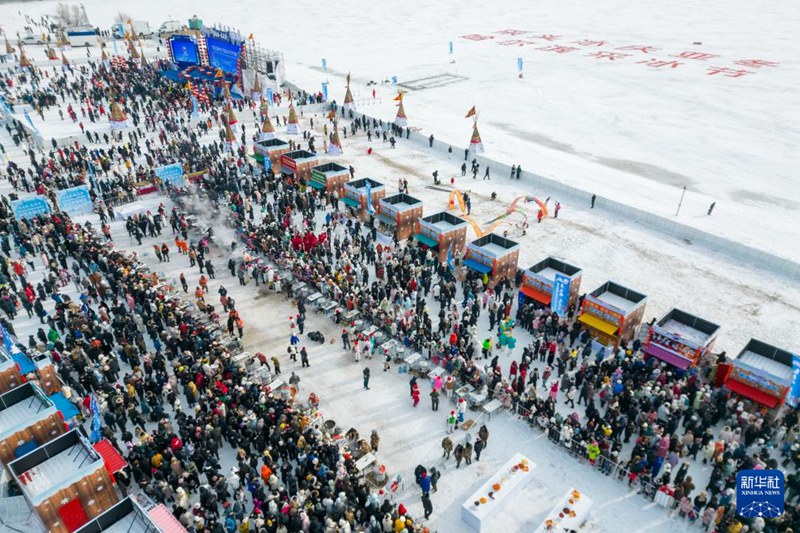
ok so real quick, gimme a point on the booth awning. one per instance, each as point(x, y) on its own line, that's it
point(163, 518)
point(350, 202)
point(596, 323)
point(316, 184)
point(111, 458)
point(389, 221)
point(67, 408)
point(668, 356)
point(480, 267)
point(25, 365)
point(754, 394)
point(427, 241)
point(539, 296)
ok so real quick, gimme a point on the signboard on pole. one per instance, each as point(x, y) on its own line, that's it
point(172, 174)
point(30, 207)
point(75, 201)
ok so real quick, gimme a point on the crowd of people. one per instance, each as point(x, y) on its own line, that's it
point(147, 354)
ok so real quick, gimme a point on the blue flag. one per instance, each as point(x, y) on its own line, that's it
point(324, 64)
point(451, 47)
point(96, 435)
point(325, 90)
point(450, 263)
point(195, 112)
point(519, 64)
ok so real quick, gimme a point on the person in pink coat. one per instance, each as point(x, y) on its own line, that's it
point(438, 383)
point(554, 390)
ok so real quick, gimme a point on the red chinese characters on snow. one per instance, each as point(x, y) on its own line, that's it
point(558, 49)
point(611, 56)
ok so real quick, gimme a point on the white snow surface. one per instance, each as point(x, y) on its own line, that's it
point(619, 128)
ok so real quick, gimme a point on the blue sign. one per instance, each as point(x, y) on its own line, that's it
point(172, 174)
point(324, 64)
point(30, 207)
point(75, 201)
point(519, 64)
point(223, 55)
point(560, 299)
point(368, 188)
point(759, 493)
point(325, 91)
point(269, 96)
point(184, 50)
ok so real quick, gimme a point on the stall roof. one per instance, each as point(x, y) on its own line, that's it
point(495, 243)
point(166, 522)
point(24, 363)
point(272, 143)
point(618, 296)
point(124, 517)
point(480, 267)
point(444, 221)
point(61, 461)
point(111, 457)
point(19, 407)
point(549, 267)
point(67, 408)
point(684, 325)
point(752, 393)
point(300, 155)
point(402, 201)
point(331, 169)
point(602, 325)
point(358, 185)
point(764, 357)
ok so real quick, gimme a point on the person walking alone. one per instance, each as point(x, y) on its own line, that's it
point(366, 378)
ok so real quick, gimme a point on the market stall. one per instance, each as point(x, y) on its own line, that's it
point(330, 177)
point(569, 514)
point(358, 193)
point(10, 376)
point(444, 233)
point(681, 339)
point(297, 165)
point(494, 256)
point(65, 481)
point(28, 419)
point(271, 149)
point(399, 214)
point(764, 374)
point(488, 501)
point(542, 280)
point(612, 313)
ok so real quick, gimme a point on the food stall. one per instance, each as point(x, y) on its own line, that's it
point(297, 165)
point(494, 256)
point(680, 339)
point(357, 193)
point(271, 149)
point(399, 214)
point(65, 481)
point(444, 233)
point(132, 517)
point(763, 373)
point(539, 281)
point(28, 419)
point(490, 499)
point(10, 376)
point(612, 313)
point(329, 177)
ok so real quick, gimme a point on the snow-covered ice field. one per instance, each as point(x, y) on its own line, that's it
point(623, 99)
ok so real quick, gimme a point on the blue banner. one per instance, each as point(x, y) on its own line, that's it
point(519, 64)
point(96, 434)
point(450, 46)
point(324, 64)
point(560, 300)
point(195, 112)
point(325, 90)
point(30, 207)
point(8, 344)
point(75, 201)
point(368, 187)
point(172, 174)
point(450, 264)
point(269, 96)
point(794, 388)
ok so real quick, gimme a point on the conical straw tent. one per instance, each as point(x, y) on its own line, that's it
point(264, 106)
point(64, 60)
point(335, 147)
point(349, 103)
point(23, 59)
point(257, 85)
point(143, 60)
point(9, 49)
point(267, 129)
point(117, 118)
point(400, 119)
point(475, 143)
point(292, 126)
point(132, 52)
